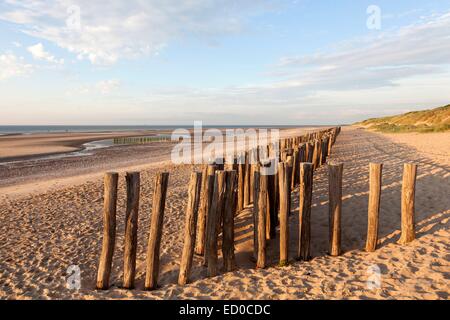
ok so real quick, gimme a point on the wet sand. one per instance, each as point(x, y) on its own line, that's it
point(23, 146)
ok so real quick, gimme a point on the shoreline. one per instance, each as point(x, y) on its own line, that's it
point(19, 146)
point(56, 143)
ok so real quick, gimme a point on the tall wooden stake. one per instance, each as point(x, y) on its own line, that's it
point(156, 228)
point(285, 196)
point(214, 215)
point(255, 213)
point(190, 227)
point(335, 207)
point(408, 200)
point(207, 191)
point(241, 186)
point(131, 226)
point(262, 210)
point(375, 172)
point(304, 219)
point(247, 180)
point(109, 230)
point(228, 223)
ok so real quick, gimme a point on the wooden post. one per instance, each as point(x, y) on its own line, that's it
point(262, 211)
point(295, 166)
point(271, 213)
point(284, 188)
point(109, 230)
point(330, 144)
point(255, 213)
point(207, 191)
point(375, 172)
point(304, 219)
point(241, 185)
point(247, 180)
point(131, 226)
point(288, 168)
point(228, 223)
point(156, 227)
point(214, 215)
point(309, 152)
point(408, 199)
point(315, 154)
point(324, 149)
point(253, 162)
point(335, 207)
point(190, 227)
point(302, 153)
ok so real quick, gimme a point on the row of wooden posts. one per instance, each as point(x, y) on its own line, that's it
point(215, 196)
point(221, 191)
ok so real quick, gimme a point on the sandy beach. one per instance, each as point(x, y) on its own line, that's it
point(51, 219)
point(23, 146)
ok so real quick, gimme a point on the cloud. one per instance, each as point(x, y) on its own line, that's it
point(387, 73)
point(104, 32)
point(38, 52)
point(12, 66)
point(375, 61)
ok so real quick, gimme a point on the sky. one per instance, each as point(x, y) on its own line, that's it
point(167, 62)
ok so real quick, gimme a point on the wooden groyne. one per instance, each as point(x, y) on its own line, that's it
point(219, 192)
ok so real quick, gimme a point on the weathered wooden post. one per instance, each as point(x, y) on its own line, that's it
point(304, 219)
point(317, 154)
point(207, 191)
point(262, 211)
point(271, 214)
point(408, 203)
point(285, 196)
point(310, 152)
point(131, 226)
point(335, 207)
point(295, 167)
point(241, 182)
point(375, 173)
point(156, 228)
point(255, 213)
point(109, 230)
point(190, 227)
point(302, 153)
point(253, 162)
point(213, 220)
point(288, 168)
point(228, 223)
point(247, 180)
point(324, 148)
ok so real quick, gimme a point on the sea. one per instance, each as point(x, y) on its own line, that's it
point(92, 128)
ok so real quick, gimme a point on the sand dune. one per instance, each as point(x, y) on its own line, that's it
point(44, 232)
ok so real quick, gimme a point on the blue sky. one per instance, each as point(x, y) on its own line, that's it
point(222, 62)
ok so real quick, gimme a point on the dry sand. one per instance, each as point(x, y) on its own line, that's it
point(43, 232)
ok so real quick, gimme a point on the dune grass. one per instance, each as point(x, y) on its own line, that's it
point(434, 120)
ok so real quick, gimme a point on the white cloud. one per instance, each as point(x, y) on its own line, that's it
point(404, 69)
point(375, 61)
point(12, 66)
point(126, 29)
point(38, 52)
